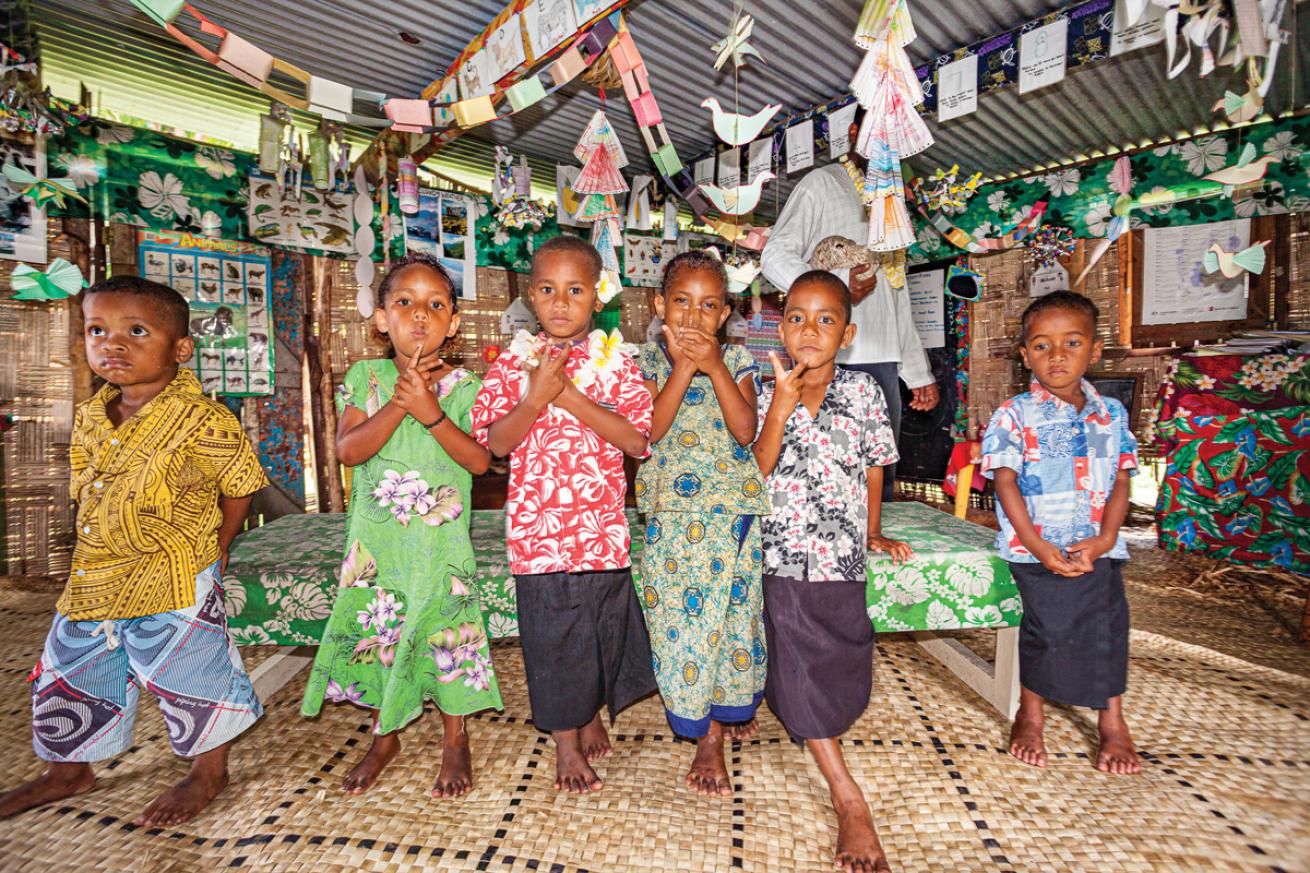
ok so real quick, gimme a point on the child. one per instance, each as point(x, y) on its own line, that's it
point(701, 493)
point(566, 406)
point(163, 477)
point(1061, 457)
point(823, 442)
point(404, 629)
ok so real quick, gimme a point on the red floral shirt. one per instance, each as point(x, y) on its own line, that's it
point(565, 509)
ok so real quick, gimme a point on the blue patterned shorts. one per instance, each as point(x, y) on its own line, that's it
point(85, 689)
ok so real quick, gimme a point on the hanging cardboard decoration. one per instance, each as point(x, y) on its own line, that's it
point(332, 100)
point(227, 288)
point(548, 23)
point(505, 49)
point(566, 199)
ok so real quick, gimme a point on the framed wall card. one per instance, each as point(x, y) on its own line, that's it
point(226, 285)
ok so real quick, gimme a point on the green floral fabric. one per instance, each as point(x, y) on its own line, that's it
point(406, 626)
point(955, 579)
point(1080, 197)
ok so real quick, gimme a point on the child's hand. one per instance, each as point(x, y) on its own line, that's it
point(676, 352)
point(787, 383)
point(547, 380)
point(899, 551)
point(700, 348)
point(412, 392)
point(1055, 561)
point(1088, 550)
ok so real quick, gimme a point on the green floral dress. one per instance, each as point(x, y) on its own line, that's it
point(405, 628)
point(701, 493)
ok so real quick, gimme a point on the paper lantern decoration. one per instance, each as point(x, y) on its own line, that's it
point(248, 62)
point(409, 116)
point(646, 110)
point(478, 110)
point(332, 100)
point(526, 92)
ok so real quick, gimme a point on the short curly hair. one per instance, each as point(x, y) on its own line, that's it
point(167, 303)
point(1069, 300)
point(413, 259)
point(567, 243)
point(828, 280)
point(688, 262)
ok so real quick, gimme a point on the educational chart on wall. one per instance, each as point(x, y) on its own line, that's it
point(928, 306)
point(444, 226)
point(226, 285)
point(302, 219)
point(1176, 290)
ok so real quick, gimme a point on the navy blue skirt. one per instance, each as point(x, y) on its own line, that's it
point(1073, 643)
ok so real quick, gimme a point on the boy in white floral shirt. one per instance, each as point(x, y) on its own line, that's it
point(823, 442)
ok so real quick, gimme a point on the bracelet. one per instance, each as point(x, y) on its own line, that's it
point(439, 419)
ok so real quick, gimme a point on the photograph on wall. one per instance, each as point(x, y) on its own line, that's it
point(226, 285)
point(22, 224)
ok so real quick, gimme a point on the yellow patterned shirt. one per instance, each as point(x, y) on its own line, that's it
point(147, 494)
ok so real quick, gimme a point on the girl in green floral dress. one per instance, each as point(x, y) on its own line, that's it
point(701, 491)
point(405, 628)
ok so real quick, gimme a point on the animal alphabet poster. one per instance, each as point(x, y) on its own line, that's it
point(304, 219)
point(226, 285)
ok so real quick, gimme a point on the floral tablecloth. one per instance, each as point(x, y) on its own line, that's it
point(1236, 430)
point(282, 577)
point(955, 579)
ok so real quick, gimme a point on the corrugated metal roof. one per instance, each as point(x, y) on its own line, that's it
point(808, 59)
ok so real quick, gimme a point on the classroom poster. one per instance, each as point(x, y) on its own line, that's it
point(644, 259)
point(313, 220)
point(444, 226)
point(22, 224)
point(1176, 290)
point(548, 23)
point(226, 285)
point(928, 306)
point(505, 48)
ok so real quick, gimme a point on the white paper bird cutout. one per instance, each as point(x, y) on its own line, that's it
point(735, 44)
point(1233, 264)
point(1245, 173)
point(737, 129)
point(739, 200)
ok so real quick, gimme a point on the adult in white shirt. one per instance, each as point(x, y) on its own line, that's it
point(886, 345)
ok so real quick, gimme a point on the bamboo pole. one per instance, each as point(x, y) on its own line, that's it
point(318, 324)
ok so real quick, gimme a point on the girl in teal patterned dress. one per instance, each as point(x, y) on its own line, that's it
point(701, 491)
point(405, 628)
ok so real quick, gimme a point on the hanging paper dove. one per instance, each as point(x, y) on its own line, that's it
point(735, 45)
point(740, 276)
point(739, 200)
point(737, 129)
point(1232, 264)
point(40, 191)
point(61, 279)
point(1243, 174)
point(1120, 181)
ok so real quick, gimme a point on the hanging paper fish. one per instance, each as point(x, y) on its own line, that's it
point(739, 200)
point(60, 280)
point(1233, 264)
point(1243, 174)
point(40, 191)
point(737, 129)
point(735, 45)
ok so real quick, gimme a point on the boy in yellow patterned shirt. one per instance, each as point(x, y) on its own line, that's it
point(163, 477)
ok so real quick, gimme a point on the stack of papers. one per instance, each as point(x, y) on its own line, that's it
point(1257, 342)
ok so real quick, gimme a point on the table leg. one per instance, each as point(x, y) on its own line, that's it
point(997, 683)
point(279, 669)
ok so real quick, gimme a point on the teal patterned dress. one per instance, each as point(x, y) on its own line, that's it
point(405, 627)
point(701, 492)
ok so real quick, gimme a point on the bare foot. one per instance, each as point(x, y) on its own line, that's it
point(185, 800)
point(1117, 754)
point(743, 731)
point(708, 775)
point(858, 847)
point(573, 773)
point(456, 776)
point(57, 782)
point(595, 740)
point(1026, 742)
point(384, 749)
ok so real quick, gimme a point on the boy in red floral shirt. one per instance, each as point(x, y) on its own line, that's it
point(566, 406)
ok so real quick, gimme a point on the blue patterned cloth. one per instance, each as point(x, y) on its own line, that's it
point(1067, 462)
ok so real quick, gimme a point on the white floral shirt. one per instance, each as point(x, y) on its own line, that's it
point(818, 530)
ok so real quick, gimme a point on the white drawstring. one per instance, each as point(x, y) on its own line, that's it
point(109, 628)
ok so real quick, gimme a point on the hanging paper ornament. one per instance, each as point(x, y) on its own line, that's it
point(364, 242)
point(598, 206)
point(599, 132)
point(40, 191)
point(60, 280)
point(407, 184)
point(600, 175)
point(272, 138)
point(1051, 243)
point(737, 129)
point(739, 200)
point(1233, 264)
point(736, 44)
point(943, 190)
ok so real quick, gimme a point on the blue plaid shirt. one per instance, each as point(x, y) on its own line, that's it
point(1067, 463)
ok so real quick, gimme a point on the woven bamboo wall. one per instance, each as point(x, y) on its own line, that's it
point(1298, 294)
point(36, 389)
